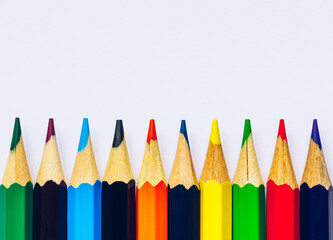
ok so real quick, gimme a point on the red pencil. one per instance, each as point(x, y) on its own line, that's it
point(283, 199)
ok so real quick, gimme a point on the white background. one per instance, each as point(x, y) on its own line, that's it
point(168, 60)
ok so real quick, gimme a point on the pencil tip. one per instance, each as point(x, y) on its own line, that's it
point(315, 133)
point(151, 131)
point(50, 130)
point(16, 134)
point(84, 135)
point(183, 130)
point(118, 134)
point(282, 131)
point(247, 130)
point(215, 133)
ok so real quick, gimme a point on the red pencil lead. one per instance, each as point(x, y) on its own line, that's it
point(282, 131)
point(50, 130)
point(151, 131)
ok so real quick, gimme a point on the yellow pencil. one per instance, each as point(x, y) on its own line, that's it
point(216, 192)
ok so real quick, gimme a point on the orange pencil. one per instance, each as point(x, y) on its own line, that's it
point(152, 193)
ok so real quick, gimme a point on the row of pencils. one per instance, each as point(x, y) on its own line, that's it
point(183, 209)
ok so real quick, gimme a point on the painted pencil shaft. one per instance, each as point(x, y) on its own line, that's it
point(282, 212)
point(118, 192)
point(152, 212)
point(16, 193)
point(283, 196)
point(248, 212)
point(118, 211)
point(50, 194)
point(316, 212)
point(84, 193)
point(152, 193)
point(316, 194)
point(16, 211)
point(184, 194)
point(215, 192)
point(216, 210)
point(84, 212)
point(248, 193)
point(184, 212)
point(50, 211)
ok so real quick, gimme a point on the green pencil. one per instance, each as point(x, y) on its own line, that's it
point(248, 193)
point(16, 193)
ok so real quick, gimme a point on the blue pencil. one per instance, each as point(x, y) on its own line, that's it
point(184, 194)
point(84, 193)
point(316, 193)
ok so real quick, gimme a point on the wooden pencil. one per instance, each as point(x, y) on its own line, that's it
point(16, 193)
point(50, 193)
point(118, 192)
point(248, 193)
point(215, 192)
point(282, 193)
point(316, 193)
point(84, 193)
point(184, 194)
point(152, 193)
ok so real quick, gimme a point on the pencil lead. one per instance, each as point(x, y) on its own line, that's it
point(183, 131)
point(118, 134)
point(247, 130)
point(151, 131)
point(84, 135)
point(50, 130)
point(315, 133)
point(215, 133)
point(282, 131)
point(16, 134)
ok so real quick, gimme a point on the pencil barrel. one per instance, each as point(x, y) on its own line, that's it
point(50, 211)
point(184, 213)
point(118, 211)
point(316, 212)
point(84, 212)
point(152, 212)
point(248, 212)
point(216, 210)
point(282, 212)
point(16, 212)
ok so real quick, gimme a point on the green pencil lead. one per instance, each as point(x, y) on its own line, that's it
point(247, 130)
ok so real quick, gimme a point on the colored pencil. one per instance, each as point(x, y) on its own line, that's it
point(152, 193)
point(215, 192)
point(84, 193)
point(316, 193)
point(282, 193)
point(50, 193)
point(248, 193)
point(16, 192)
point(118, 192)
point(184, 194)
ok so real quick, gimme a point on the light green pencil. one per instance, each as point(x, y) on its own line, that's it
point(248, 193)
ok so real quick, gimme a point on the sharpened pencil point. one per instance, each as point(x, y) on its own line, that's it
point(215, 133)
point(282, 131)
point(50, 130)
point(151, 131)
point(247, 130)
point(16, 134)
point(315, 133)
point(118, 134)
point(183, 131)
point(84, 135)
